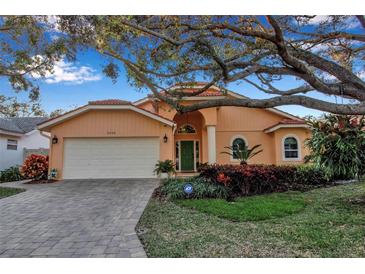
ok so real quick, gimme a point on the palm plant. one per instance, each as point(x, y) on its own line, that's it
point(243, 154)
point(166, 166)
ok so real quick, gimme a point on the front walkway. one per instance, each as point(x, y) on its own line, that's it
point(74, 218)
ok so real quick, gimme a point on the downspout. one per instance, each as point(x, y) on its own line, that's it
point(45, 135)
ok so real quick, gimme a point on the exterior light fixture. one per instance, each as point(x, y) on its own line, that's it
point(54, 140)
point(165, 138)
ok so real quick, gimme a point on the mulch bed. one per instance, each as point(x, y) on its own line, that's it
point(158, 195)
point(36, 182)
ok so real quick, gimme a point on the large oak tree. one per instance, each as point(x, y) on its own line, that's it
point(323, 54)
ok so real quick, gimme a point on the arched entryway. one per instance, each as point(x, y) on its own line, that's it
point(188, 141)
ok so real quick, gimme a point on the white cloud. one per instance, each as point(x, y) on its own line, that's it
point(351, 21)
point(52, 21)
point(69, 73)
point(361, 74)
point(318, 19)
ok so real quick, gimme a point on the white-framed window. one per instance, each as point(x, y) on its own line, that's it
point(186, 129)
point(291, 148)
point(237, 143)
point(12, 144)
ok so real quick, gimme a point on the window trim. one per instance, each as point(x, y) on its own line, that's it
point(231, 144)
point(16, 144)
point(299, 158)
point(187, 133)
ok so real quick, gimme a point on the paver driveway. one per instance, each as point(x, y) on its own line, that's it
point(74, 218)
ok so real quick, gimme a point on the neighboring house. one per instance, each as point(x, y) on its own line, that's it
point(17, 134)
point(119, 139)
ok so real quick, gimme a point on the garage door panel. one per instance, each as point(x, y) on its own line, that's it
point(110, 157)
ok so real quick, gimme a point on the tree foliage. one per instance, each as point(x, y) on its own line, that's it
point(337, 145)
point(28, 51)
point(11, 107)
point(324, 55)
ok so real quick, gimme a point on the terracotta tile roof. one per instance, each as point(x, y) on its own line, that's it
point(110, 102)
point(154, 113)
point(287, 122)
point(191, 87)
point(207, 93)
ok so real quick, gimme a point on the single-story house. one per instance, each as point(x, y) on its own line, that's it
point(17, 135)
point(120, 139)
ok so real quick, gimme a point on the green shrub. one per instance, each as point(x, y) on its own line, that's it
point(310, 175)
point(174, 189)
point(10, 175)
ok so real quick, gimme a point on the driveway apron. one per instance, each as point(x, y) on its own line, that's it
point(74, 218)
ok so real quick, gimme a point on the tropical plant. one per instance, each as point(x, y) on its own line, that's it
point(337, 145)
point(166, 166)
point(243, 154)
point(10, 174)
point(35, 167)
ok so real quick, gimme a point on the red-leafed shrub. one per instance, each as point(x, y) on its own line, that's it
point(35, 167)
point(242, 180)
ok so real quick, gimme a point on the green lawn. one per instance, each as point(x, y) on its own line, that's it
point(8, 191)
point(250, 208)
point(327, 222)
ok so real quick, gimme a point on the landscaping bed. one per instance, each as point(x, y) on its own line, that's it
point(9, 191)
point(331, 224)
point(36, 182)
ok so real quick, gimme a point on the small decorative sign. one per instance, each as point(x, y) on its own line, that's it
point(188, 189)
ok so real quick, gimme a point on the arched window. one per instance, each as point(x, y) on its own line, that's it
point(291, 148)
point(186, 129)
point(237, 145)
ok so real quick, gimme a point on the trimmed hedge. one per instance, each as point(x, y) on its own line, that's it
point(174, 189)
point(10, 174)
point(244, 180)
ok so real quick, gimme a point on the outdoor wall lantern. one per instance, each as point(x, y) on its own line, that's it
point(165, 138)
point(54, 140)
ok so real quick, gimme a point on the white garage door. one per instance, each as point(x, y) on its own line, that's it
point(110, 157)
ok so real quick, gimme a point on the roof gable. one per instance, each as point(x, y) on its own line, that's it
point(103, 105)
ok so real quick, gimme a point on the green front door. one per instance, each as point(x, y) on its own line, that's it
point(187, 155)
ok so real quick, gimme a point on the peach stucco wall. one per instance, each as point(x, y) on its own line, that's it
point(111, 124)
point(248, 123)
point(300, 133)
